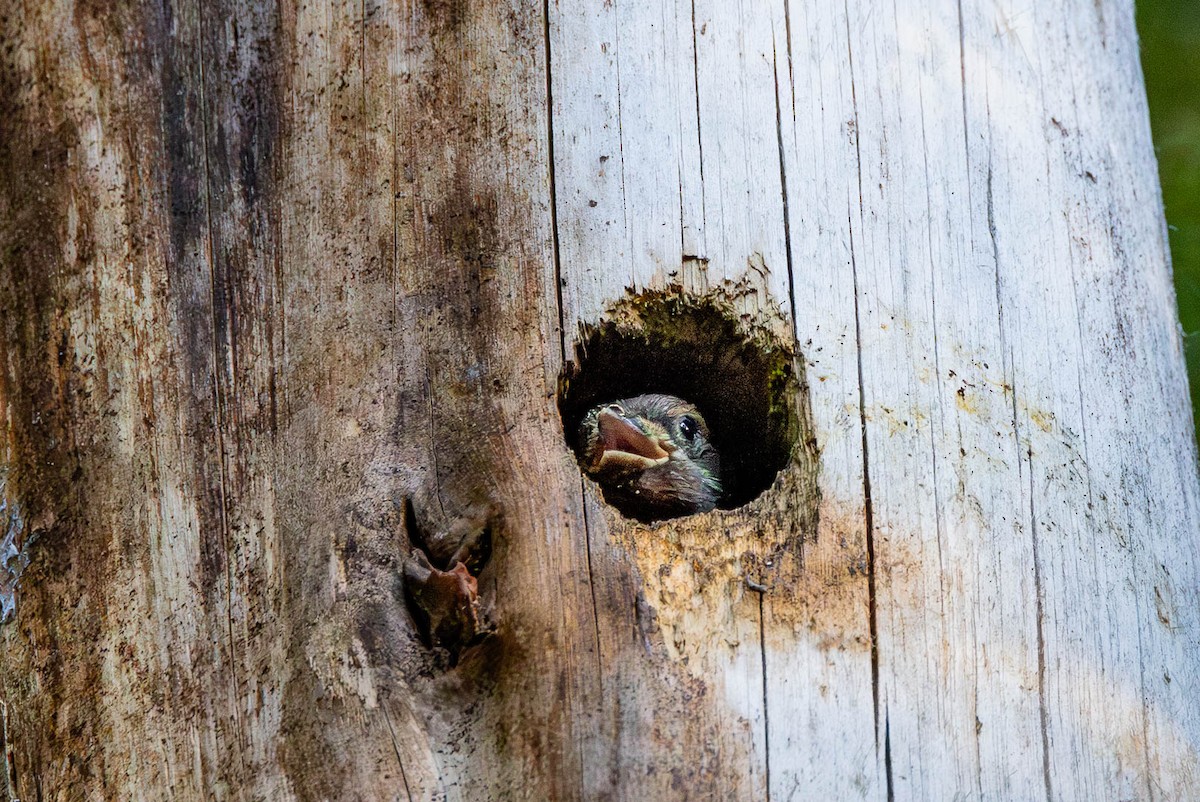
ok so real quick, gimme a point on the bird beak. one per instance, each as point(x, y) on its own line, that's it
point(623, 445)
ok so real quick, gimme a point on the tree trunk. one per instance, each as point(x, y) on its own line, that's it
point(296, 297)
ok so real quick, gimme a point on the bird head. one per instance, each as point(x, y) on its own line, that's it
point(652, 456)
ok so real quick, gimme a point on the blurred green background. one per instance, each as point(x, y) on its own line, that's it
point(1170, 32)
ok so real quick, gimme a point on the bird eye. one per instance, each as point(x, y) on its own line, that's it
point(688, 427)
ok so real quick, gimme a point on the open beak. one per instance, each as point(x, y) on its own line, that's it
point(623, 445)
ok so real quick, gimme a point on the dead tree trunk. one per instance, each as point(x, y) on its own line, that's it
point(292, 290)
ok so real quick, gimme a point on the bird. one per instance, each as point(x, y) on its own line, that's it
point(652, 456)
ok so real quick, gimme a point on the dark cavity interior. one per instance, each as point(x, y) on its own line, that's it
point(743, 381)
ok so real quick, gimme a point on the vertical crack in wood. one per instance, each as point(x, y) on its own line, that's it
point(362, 58)
point(962, 77)
point(872, 612)
point(783, 189)
point(787, 243)
point(937, 361)
point(873, 622)
point(962, 73)
point(621, 141)
point(396, 748)
point(559, 283)
point(587, 538)
point(1011, 388)
point(699, 130)
point(218, 405)
point(1005, 350)
point(10, 754)
point(1143, 690)
point(591, 578)
point(762, 646)
point(787, 31)
point(1039, 605)
point(887, 756)
point(1072, 142)
point(558, 279)
point(433, 444)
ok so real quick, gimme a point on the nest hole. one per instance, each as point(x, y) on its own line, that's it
point(740, 376)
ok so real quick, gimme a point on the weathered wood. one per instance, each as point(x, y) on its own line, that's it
point(271, 272)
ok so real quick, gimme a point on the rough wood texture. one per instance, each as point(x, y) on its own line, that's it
point(268, 271)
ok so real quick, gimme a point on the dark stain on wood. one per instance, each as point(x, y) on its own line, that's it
point(447, 14)
point(42, 398)
point(204, 131)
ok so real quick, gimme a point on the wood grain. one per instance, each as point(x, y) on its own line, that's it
point(271, 271)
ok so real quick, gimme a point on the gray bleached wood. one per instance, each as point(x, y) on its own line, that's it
point(268, 271)
point(952, 243)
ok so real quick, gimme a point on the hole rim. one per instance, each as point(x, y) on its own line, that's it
point(747, 381)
